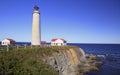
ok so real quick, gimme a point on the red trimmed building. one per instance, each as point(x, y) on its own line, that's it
point(58, 42)
point(8, 41)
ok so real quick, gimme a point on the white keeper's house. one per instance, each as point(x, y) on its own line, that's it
point(58, 42)
point(7, 41)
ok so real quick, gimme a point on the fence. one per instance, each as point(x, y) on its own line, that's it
point(13, 47)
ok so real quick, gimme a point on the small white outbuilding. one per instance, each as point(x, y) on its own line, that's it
point(58, 42)
point(8, 41)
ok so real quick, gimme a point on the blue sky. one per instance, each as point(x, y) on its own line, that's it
point(77, 21)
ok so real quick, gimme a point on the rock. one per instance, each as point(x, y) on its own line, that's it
point(91, 57)
point(97, 64)
point(72, 62)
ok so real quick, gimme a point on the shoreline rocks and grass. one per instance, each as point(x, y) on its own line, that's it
point(53, 60)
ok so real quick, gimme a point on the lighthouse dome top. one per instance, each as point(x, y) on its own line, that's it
point(36, 8)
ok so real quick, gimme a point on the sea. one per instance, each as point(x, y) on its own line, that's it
point(110, 55)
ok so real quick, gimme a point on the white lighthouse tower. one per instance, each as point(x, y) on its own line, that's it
point(36, 36)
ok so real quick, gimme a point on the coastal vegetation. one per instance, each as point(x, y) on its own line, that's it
point(27, 61)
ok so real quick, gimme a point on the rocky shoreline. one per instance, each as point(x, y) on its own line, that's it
point(73, 62)
point(93, 64)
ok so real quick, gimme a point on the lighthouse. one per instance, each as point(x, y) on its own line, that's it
point(36, 36)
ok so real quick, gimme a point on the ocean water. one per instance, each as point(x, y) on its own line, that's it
point(111, 53)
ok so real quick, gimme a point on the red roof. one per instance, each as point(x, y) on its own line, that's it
point(63, 40)
point(54, 39)
point(43, 42)
point(11, 40)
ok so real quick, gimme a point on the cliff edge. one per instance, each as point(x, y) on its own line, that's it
point(46, 60)
point(72, 62)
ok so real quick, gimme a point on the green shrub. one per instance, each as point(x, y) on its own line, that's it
point(26, 61)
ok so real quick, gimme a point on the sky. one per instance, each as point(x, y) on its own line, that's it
point(77, 21)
